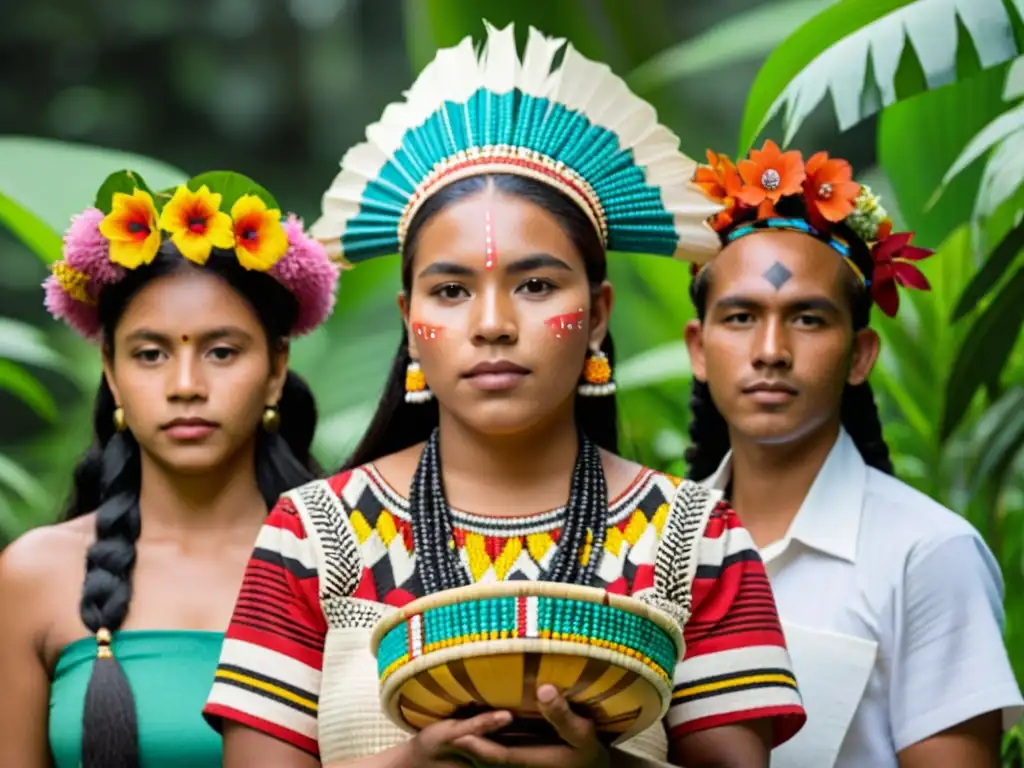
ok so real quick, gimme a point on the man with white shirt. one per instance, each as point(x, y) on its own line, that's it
point(891, 604)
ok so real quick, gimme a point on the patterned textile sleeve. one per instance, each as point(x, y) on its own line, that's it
point(736, 667)
point(268, 677)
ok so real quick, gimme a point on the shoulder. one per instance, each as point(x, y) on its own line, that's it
point(43, 566)
point(899, 524)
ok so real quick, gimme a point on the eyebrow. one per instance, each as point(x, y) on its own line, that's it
point(518, 266)
point(810, 303)
point(215, 334)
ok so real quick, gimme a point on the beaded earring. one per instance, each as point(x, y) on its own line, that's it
point(597, 376)
point(416, 389)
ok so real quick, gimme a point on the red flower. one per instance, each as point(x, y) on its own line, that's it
point(893, 257)
point(768, 176)
point(829, 190)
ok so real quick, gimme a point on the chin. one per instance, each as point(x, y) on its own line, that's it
point(502, 418)
point(192, 460)
point(775, 428)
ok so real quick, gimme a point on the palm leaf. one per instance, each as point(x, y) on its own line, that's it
point(743, 36)
point(871, 53)
point(40, 238)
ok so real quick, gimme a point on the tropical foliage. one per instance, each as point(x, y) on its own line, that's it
point(927, 97)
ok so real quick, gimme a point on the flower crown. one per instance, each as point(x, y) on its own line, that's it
point(757, 184)
point(125, 228)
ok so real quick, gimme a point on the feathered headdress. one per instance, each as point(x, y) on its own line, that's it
point(577, 128)
point(750, 191)
point(125, 227)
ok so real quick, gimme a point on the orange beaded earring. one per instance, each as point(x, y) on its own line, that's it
point(597, 376)
point(416, 389)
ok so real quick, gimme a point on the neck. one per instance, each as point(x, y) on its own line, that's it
point(771, 481)
point(533, 466)
point(222, 500)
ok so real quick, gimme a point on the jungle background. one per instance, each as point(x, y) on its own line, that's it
point(923, 97)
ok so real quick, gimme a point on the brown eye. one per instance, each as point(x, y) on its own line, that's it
point(537, 286)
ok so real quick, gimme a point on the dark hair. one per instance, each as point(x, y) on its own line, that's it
point(397, 424)
point(709, 433)
point(108, 479)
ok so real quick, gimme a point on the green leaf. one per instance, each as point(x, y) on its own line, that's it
point(991, 272)
point(1014, 87)
point(739, 37)
point(897, 48)
point(663, 364)
point(18, 479)
point(434, 24)
point(1000, 435)
point(37, 236)
point(920, 138)
point(28, 389)
point(985, 350)
point(124, 182)
point(25, 344)
point(992, 134)
point(57, 179)
point(231, 186)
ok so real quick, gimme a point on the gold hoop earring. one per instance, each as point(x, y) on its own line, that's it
point(271, 418)
point(416, 389)
point(119, 421)
point(597, 376)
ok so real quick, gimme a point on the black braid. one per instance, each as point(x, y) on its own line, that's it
point(109, 726)
point(860, 418)
point(709, 434)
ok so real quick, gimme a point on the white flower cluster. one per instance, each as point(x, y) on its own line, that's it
point(868, 216)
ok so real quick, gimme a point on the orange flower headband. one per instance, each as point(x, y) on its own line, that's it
point(125, 228)
point(751, 190)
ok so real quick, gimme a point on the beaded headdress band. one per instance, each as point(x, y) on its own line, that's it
point(577, 128)
point(126, 226)
point(751, 189)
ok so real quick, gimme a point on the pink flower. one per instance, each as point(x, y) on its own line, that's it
point(87, 251)
point(308, 273)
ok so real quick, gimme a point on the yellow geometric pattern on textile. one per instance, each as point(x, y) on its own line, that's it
point(613, 540)
point(362, 528)
point(538, 545)
point(635, 527)
point(386, 528)
point(508, 557)
point(660, 516)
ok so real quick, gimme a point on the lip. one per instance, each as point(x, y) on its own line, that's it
point(770, 392)
point(496, 375)
point(187, 429)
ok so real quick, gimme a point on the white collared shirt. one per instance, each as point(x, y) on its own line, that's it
point(892, 610)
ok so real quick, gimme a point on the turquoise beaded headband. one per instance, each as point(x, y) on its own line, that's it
point(836, 243)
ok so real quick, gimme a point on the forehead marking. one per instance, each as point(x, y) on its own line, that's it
point(490, 247)
point(778, 275)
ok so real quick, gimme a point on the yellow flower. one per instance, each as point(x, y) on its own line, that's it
point(196, 223)
point(260, 240)
point(131, 229)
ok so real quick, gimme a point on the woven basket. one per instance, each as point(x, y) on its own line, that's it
point(489, 646)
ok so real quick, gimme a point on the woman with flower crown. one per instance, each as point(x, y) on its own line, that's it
point(113, 619)
point(492, 456)
point(905, 665)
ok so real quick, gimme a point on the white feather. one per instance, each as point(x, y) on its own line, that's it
point(535, 73)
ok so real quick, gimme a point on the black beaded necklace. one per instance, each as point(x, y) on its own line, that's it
point(438, 561)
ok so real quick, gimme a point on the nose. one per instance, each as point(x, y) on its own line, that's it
point(187, 379)
point(772, 348)
point(494, 317)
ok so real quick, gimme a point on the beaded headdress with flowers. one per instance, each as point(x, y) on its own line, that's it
point(751, 189)
point(127, 224)
point(575, 127)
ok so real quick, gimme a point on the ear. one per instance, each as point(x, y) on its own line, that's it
point(279, 358)
point(866, 346)
point(403, 307)
point(600, 313)
point(693, 334)
point(108, 374)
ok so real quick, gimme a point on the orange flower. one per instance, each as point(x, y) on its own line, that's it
point(131, 229)
point(768, 176)
point(196, 223)
point(829, 190)
point(260, 240)
point(721, 182)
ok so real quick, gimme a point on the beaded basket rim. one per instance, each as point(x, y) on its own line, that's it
point(428, 661)
point(475, 592)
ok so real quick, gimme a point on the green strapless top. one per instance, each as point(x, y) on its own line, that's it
point(170, 672)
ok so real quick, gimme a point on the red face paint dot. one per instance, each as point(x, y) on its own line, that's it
point(564, 325)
